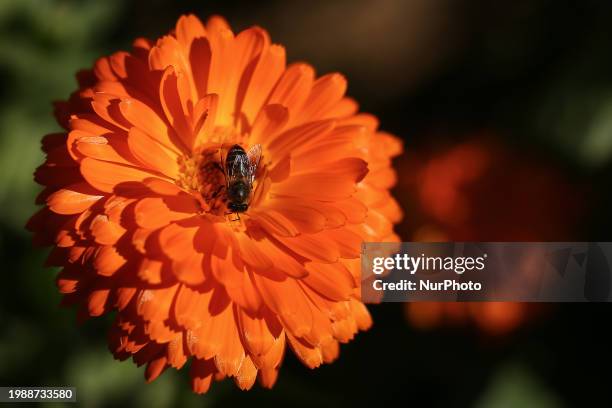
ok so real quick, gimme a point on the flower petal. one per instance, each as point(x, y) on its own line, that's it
point(201, 374)
point(106, 175)
point(269, 122)
point(313, 246)
point(293, 87)
point(146, 119)
point(176, 101)
point(333, 281)
point(288, 301)
point(246, 375)
point(326, 92)
point(73, 199)
point(151, 154)
point(157, 212)
point(258, 332)
point(266, 74)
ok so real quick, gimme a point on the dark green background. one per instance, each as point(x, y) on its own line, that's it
point(539, 73)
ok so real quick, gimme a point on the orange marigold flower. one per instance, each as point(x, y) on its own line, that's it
point(136, 204)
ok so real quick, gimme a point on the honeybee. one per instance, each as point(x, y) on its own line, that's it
point(240, 168)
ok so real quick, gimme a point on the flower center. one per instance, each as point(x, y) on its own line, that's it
point(202, 175)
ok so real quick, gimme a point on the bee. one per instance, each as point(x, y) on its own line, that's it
point(240, 168)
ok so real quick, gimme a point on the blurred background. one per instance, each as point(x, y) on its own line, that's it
point(506, 113)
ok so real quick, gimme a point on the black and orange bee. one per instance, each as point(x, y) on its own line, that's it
point(240, 168)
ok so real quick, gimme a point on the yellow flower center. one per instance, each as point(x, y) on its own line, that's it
point(202, 175)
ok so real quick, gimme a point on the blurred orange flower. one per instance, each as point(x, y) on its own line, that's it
point(480, 190)
point(136, 204)
point(496, 318)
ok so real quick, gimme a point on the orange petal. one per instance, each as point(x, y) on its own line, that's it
point(256, 334)
point(354, 210)
point(275, 222)
point(350, 169)
point(155, 368)
point(231, 353)
point(269, 68)
point(310, 356)
point(221, 74)
point(249, 45)
point(105, 231)
point(345, 329)
point(156, 212)
point(346, 108)
point(201, 374)
point(108, 261)
point(293, 87)
point(177, 241)
point(246, 376)
point(205, 115)
point(151, 154)
point(361, 314)
point(321, 332)
point(348, 243)
point(326, 92)
point(287, 142)
point(245, 294)
point(110, 148)
point(284, 261)
point(313, 246)
point(190, 269)
point(289, 212)
point(191, 307)
point(333, 281)
point(107, 107)
point(199, 59)
point(206, 341)
point(281, 170)
point(274, 356)
point(106, 175)
point(188, 28)
point(150, 271)
point(362, 119)
point(334, 217)
point(123, 296)
point(269, 122)
point(97, 302)
point(342, 142)
point(176, 352)
point(73, 199)
point(267, 377)
point(316, 186)
point(175, 100)
point(154, 304)
point(330, 351)
point(147, 120)
point(288, 301)
point(252, 253)
point(230, 272)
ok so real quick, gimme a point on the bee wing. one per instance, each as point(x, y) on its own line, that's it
point(240, 167)
point(254, 155)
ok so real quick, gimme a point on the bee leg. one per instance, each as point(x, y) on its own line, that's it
point(218, 166)
point(217, 192)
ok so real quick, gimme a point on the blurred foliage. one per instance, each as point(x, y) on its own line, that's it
point(42, 44)
point(538, 72)
point(514, 386)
